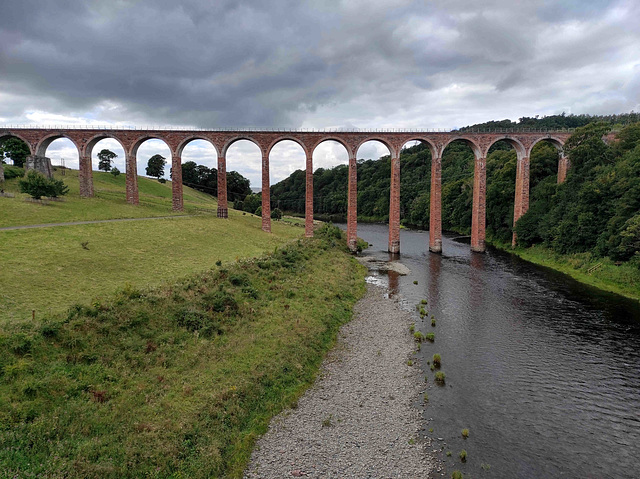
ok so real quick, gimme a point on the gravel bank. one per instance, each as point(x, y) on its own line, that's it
point(358, 420)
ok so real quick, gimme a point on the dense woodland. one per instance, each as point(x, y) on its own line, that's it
point(597, 209)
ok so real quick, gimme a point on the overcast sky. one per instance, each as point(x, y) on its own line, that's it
point(319, 64)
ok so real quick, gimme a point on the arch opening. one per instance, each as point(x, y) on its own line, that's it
point(506, 175)
point(287, 168)
point(243, 160)
point(14, 150)
point(100, 151)
point(199, 165)
point(157, 151)
point(62, 152)
point(330, 181)
point(374, 180)
point(416, 159)
point(458, 166)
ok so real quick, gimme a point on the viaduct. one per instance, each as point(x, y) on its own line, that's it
point(38, 139)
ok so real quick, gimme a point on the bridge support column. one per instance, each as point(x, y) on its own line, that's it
point(132, 180)
point(352, 204)
point(521, 204)
point(223, 211)
point(85, 177)
point(266, 194)
point(435, 207)
point(563, 167)
point(308, 203)
point(394, 207)
point(478, 214)
point(176, 183)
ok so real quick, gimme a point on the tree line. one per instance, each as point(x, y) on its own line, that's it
point(597, 209)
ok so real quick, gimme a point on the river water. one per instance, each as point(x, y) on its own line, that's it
point(542, 370)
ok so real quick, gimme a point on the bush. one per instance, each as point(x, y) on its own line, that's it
point(440, 376)
point(115, 171)
point(276, 214)
point(37, 185)
point(258, 211)
point(13, 172)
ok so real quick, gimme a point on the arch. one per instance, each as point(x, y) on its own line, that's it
point(4, 135)
point(558, 143)
point(337, 139)
point(477, 151)
point(432, 147)
point(521, 151)
point(44, 143)
point(94, 140)
point(378, 139)
point(140, 140)
point(189, 139)
point(236, 139)
point(287, 138)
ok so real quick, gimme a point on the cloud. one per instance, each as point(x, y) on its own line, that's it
point(287, 63)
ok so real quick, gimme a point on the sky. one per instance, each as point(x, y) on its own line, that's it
point(309, 64)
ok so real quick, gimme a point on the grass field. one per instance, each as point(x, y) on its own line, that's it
point(109, 201)
point(175, 381)
point(47, 269)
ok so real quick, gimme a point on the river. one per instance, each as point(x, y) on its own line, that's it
point(542, 370)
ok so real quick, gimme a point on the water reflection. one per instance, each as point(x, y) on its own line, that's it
point(544, 371)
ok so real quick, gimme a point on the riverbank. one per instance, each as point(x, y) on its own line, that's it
point(177, 380)
point(601, 273)
point(360, 418)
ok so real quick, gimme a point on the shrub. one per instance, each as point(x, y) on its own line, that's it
point(115, 171)
point(13, 172)
point(37, 185)
point(440, 377)
point(276, 214)
point(430, 337)
point(258, 211)
point(418, 336)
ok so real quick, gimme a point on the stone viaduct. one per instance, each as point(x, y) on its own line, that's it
point(38, 139)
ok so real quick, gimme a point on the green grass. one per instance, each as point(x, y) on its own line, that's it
point(47, 269)
point(109, 201)
point(602, 273)
point(174, 381)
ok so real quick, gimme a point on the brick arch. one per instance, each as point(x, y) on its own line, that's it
point(477, 149)
point(7, 135)
point(430, 143)
point(392, 150)
point(44, 143)
point(141, 139)
point(331, 138)
point(93, 141)
point(182, 145)
point(521, 150)
point(287, 138)
point(229, 142)
point(557, 142)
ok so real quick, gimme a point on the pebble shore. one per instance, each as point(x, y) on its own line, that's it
point(360, 419)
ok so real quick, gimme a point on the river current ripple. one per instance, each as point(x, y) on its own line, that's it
point(542, 370)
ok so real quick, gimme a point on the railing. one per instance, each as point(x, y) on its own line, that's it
point(286, 130)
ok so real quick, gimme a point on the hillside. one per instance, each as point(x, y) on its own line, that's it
point(109, 201)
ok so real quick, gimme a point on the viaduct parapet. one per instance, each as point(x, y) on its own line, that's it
point(38, 139)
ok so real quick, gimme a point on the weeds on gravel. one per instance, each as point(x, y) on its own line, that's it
point(426, 397)
point(448, 453)
point(326, 422)
point(409, 363)
point(465, 433)
point(412, 328)
point(440, 377)
point(418, 336)
point(463, 455)
point(424, 301)
point(457, 475)
point(430, 337)
point(433, 322)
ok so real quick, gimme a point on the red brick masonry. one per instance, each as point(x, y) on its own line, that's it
point(85, 139)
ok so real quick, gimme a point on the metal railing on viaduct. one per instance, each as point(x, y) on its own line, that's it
point(85, 138)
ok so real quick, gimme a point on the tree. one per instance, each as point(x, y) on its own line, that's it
point(14, 149)
point(106, 158)
point(155, 167)
point(37, 185)
point(276, 214)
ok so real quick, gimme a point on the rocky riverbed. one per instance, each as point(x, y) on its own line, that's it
point(360, 419)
